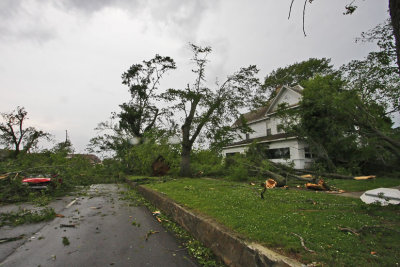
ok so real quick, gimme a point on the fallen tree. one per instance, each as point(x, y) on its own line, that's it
point(278, 175)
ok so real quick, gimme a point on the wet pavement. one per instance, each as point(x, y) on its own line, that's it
point(99, 229)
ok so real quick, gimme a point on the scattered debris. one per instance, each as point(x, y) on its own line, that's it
point(71, 203)
point(268, 184)
point(156, 213)
point(134, 223)
point(65, 241)
point(321, 186)
point(349, 230)
point(67, 225)
point(10, 239)
point(60, 215)
point(302, 243)
point(365, 228)
point(149, 233)
point(95, 208)
point(365, 177)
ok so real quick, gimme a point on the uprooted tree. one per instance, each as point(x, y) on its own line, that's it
point(209, 109)
point(342, 129)
point(14, 134)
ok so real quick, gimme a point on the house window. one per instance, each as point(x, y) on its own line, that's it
point(279, 128)
point(269, 131)
point(247, 136)
point(278, 153)
point(307, 153)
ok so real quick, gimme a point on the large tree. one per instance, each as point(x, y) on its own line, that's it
point(341, 128)
point(203, 106)
point(296, 73)
point(140, 114)
point(14, 135)
point(137, 116)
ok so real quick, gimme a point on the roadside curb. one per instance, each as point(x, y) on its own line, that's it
point(226, 245)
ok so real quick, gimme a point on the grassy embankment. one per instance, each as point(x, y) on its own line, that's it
point(372, 235)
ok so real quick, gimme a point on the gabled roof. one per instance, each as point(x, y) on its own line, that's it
point(252, 115)
point(298, 89)
point(261, 112)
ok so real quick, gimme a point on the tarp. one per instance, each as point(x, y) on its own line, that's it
point(384, 196)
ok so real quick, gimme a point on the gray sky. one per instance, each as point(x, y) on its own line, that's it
point(63, 59)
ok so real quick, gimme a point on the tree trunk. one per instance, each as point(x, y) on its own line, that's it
point(328, 175)
point(394, 9)
point(185, 161)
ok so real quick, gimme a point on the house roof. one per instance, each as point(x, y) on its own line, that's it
point(261, 139)
point(260, 113)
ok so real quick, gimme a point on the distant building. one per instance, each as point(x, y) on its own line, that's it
point(268, 133)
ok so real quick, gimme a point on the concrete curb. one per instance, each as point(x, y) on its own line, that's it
point(230, 248)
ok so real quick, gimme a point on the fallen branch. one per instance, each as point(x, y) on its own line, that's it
point(67, 225)
point(365, 227)
point(350, 230)
point(302, 243)
point(39, 167)
point(149, 233)
point(328, 175)
point(10, 239)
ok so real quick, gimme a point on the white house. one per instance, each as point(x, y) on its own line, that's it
point(279, 146)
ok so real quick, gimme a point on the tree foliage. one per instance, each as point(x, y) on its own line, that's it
point(209, 109)
point(139, 115)
point(376, 78)
point(13, 133)
point(296, 73)
point(342, 130)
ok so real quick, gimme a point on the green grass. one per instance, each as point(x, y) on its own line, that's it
point(315, 216)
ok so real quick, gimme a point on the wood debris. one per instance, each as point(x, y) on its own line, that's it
point(321, 186)
point(149, 233)
point(365, 177)
point(302, 243)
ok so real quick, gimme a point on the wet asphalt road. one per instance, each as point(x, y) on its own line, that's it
point(103, 235)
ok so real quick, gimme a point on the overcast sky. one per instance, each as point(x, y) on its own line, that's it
point(63, 59)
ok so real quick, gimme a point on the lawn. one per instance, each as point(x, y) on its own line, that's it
point(285, 214)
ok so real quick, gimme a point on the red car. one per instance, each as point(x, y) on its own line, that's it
point(41, 181)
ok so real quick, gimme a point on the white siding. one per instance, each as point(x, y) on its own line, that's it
point(288, 96)
point(260, 127)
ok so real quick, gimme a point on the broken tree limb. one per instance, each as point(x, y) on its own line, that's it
point(278, 177)
point(10, 239)
point(38, 167)
point(328, 175)
point(286, 170)
point(302, 243)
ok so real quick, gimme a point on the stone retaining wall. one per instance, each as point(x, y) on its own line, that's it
point(231, 249)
